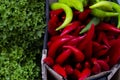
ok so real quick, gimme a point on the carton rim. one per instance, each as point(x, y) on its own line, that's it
point(44, 66)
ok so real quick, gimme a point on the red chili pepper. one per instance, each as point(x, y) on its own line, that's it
point(107, 27)
point(88, 38)
point(75, 14)
point(87, 64)
point(70, 27)
point(53, 38)
point(88, 51)
point(96, 67)
point(77, 30)
point(101, 51)
point(69, 70)
point(83, 15)
point(49, 43)
point(107, 59)
point(114, 52)
point(58, 69)
point(79, 56)
point(95, 44)
point(76, 74)
point(97, 47)
point(63, 56)
point(114, 41)
point(111, 36)
point(49, 61)
point(52, 24)
point(75, 41)
point(85, 73)
point(56, 44)
point(103, 65)
point(56, 12)
point(103, 38)
point(78, 66)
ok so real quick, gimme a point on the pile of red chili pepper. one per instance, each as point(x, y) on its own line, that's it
point(84, 47)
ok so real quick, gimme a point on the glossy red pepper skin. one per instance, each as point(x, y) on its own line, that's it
point(107, 27)
point(60, 70)
point(53, 38)
point(70, 27)
point(75, 41)
point(83, 15)
point(56, 44)
point(85, 73)
point(63, 56)
point(49, 61)
point(78, 55)
point(97, 47)
point(77, 30)
point(104, 65)
point(88, 38)
point(56, 12)
point(102, 38)
point(87, 64)
point(76, 74)
point(52, 24)
point(88, 51)
point(114, 52)
point(69, 70)
point(54, 21)
point(95, 44)
point(107, 59)
point(101, 53)
point(96, 67)
point(49, 43)
point(99, 50)
point(78, 66)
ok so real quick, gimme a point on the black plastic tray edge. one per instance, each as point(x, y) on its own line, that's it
point(46, 29)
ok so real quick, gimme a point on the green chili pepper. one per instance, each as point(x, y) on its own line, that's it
point(117, 8)
point(100, 13)
point(108, 5)
point(68, 12)
point(100, 0)
point(94, 21)
point(85, 2)
point(118, 26)
point(77, 4)
point(102, 4)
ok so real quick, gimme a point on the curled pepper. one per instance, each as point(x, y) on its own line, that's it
point(103, 65)
point(85, 73)
point(96, 66)
point(100, 13)
point(68, 12)
point(63, 56)
point(107, 27)
point(56, 44)
point(114, 52)
point(77, 4)
point(88, 38)
point(108, 5)
point(60, 70)
point(70, 27)
point(79, 56)
point(117, 8)
point(69, 70)
point(102, 4)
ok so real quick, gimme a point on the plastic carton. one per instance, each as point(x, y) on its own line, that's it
point(49, 74)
